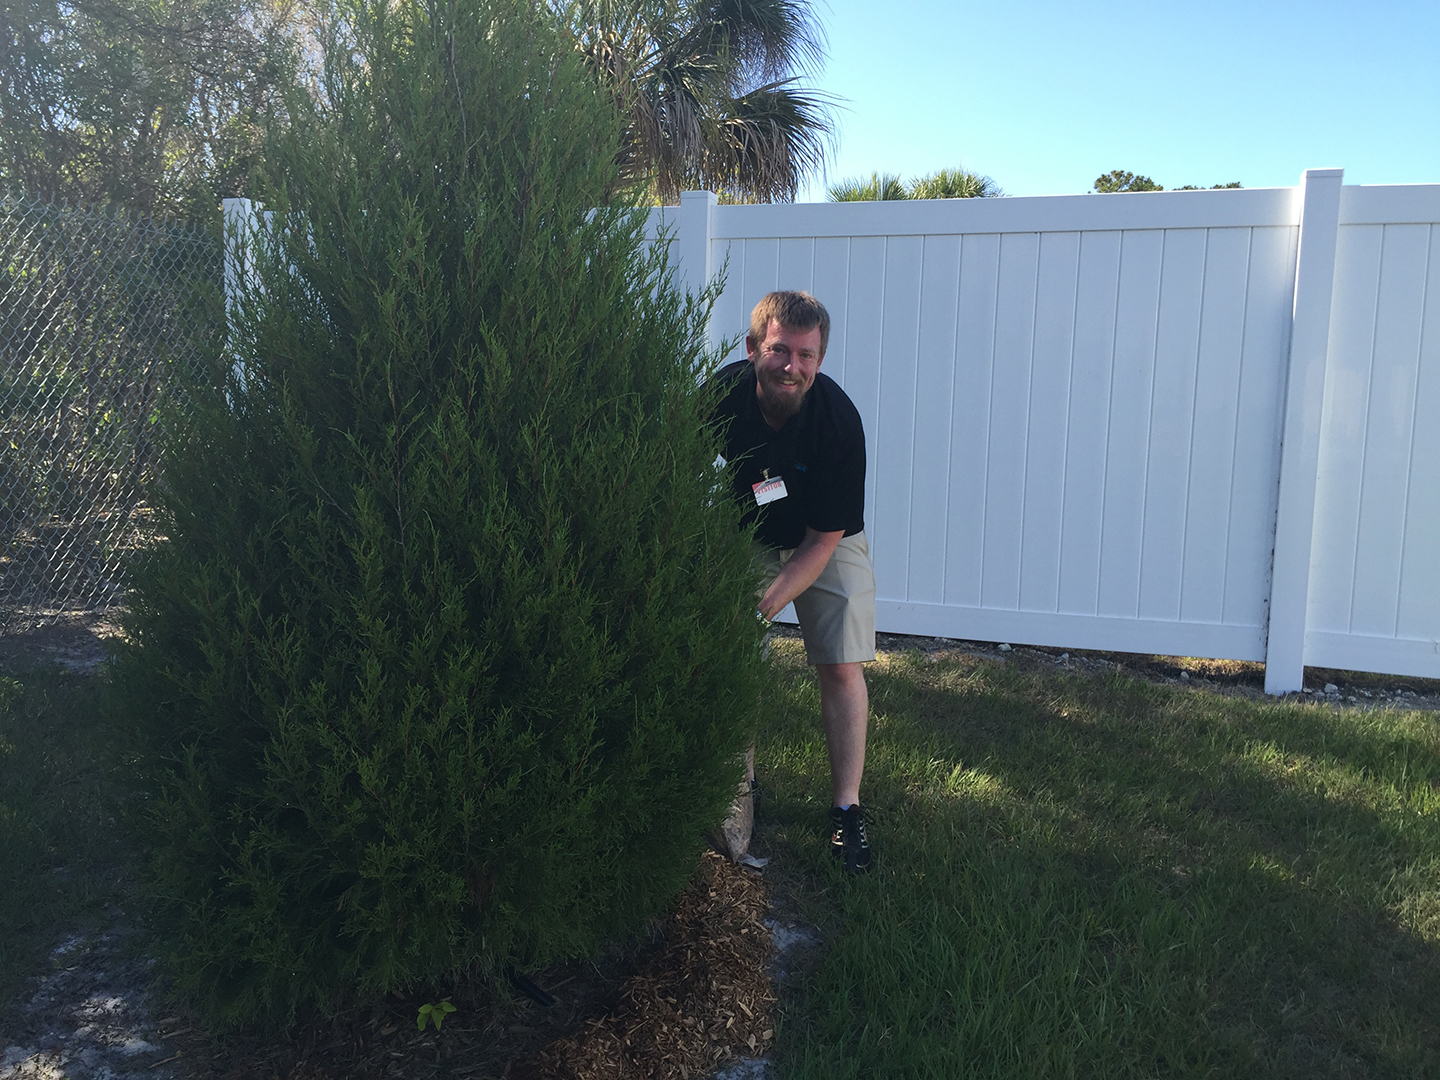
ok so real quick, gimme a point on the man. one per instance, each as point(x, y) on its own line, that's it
point(799, 453)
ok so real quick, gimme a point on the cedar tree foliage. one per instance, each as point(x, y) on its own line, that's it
point(448, 661)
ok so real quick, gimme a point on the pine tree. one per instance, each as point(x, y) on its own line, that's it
point(448, 660)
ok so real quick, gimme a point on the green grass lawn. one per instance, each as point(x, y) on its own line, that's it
point(61, 841)
point(1096, 876)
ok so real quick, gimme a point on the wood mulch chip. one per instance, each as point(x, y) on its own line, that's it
point(703, 998)
point(691, 996)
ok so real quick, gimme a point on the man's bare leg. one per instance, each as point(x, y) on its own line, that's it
point(845, 715)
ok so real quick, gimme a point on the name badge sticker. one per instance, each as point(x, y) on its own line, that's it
point(767, 491)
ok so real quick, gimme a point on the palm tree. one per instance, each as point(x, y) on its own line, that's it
point(879, 187)
point(954, 184)
point(944, 184)
point(711, 90)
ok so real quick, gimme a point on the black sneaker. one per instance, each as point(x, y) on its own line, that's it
point(847, 838)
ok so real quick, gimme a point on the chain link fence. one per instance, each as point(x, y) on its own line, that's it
point(101, 318)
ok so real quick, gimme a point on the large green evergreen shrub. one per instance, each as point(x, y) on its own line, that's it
point(449, 658)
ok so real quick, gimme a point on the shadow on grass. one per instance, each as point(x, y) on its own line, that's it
point(62, 847)
point(1104, 877)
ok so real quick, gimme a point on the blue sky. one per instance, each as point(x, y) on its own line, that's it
point(1044, 96)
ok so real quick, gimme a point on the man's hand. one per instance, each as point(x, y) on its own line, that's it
point(801, 571)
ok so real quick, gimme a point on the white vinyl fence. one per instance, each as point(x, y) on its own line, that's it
point(1374, 597)
point(1200, 423)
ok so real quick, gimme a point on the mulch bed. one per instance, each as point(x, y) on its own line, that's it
point(693, 995)
point(703, 998)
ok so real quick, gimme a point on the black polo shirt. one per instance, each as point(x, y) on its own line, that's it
point(819, 453)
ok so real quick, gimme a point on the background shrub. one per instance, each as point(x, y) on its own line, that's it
point(449, 659)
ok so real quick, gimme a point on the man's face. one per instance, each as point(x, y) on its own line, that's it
point(785, 366)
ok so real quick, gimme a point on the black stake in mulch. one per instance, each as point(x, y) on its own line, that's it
point(528, 988)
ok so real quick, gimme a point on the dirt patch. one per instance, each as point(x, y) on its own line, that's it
point(90, 1016)
point(78, 643)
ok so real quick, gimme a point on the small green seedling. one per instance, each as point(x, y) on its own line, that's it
point(434, 1013)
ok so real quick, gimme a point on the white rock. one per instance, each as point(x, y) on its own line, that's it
point(745, 1069)
point(1331, 688)
point(1003, 648)
point(787, 937)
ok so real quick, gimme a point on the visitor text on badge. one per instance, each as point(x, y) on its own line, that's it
point(767, 491)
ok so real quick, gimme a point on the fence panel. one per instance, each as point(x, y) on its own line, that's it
point(1072, 404)
point(1375, 579)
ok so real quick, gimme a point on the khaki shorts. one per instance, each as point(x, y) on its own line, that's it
point(837, 613)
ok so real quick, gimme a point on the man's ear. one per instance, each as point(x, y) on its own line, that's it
point(750, 347)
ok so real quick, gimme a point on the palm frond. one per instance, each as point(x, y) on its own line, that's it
point(878, 187)
point(954, 184)
point(764, 41)
point(708, 90)
point(768, 140)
